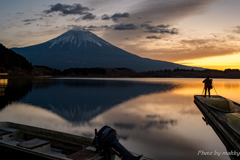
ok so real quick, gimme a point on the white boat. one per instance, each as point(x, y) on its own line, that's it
point(19, 141)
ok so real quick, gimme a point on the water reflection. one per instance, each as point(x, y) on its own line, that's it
point(80, 100)
point(13, 90)
point(3, 84)
point(154, 117)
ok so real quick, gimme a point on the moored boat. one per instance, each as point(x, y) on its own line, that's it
point(224, 118)
point(28, 142)
point(233, 121)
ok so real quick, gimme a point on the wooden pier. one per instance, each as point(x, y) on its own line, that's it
point(216, 119)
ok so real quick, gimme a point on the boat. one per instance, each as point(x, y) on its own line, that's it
point(18, 141)
point(223, 120)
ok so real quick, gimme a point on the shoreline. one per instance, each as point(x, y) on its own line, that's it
point(49, 77)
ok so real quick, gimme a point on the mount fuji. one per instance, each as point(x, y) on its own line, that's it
point(83, 49)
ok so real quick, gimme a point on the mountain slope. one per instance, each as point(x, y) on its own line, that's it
point(83, 49)
point(9, 59)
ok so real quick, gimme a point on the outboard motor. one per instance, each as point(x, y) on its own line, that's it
point(106, 139)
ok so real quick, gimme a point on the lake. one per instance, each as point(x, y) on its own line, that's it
point(155, 117)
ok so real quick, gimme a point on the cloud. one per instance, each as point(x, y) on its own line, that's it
point(20, 13)
point(153, 37)
point(163, 26)
point(184, 49)
point(148, 22)
point(88, 28)
point(88, 16)
point(64, 9)
point(116, 16)
point(159, 29)
point(237, 30)
point(29, 21)
point(106, 17)
point(125, 27)
point(196, 42)
point(47, 25)
point(109, 27)
point(169, 11)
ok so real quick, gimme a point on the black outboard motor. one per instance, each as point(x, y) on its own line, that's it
point(106, 139)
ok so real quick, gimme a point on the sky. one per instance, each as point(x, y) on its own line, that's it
point(200, 33)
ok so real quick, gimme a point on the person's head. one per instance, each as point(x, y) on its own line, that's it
point(207, 77)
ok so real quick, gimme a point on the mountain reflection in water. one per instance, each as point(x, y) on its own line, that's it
point(154, 117)
point(80, 100)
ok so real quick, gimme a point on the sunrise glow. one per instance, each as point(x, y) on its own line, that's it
point(218, 62)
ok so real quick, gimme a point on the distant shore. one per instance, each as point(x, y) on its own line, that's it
point(46, 72)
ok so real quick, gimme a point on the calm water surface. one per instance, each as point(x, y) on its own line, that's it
point(155, 117)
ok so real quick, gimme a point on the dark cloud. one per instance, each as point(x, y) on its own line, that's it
point(153, 116)
point(93, 27)
point(27, 23)
point(237, 30)
point(64, 9)
point(163, 26)
point(32, 20)
point(88, 28)
point(153, 37)
point(106, 17)
point(116, 16)
point(88, 16)
point(174, 31)
point(75, 27)
point(125, 27)
point(47, 25)
point(44, 15)
point(147, 26)
point(159, 29)
point(148, 22)
point(20, 13)
point(29, 20)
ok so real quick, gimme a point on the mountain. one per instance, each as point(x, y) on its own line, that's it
point(83, 49)
point(9, 59)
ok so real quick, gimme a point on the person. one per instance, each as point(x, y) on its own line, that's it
point(207, 85)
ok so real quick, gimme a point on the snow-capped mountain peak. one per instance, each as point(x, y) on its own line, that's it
point(83, 49)
point(77, 37)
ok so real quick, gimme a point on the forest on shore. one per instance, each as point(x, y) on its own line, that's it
point(44, 71)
